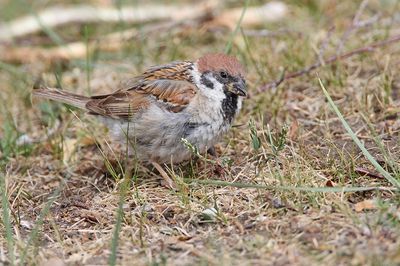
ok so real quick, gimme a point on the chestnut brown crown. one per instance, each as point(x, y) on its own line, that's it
point(217, 62)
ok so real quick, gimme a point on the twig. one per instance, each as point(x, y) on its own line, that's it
point(58, 16)
point(75, 50)
point(324, 45)
point(330, 60)
point(356, 25)
point(114, 41)
point(351, 28)
point(366, 172)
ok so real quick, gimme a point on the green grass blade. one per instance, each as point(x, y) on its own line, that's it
point(228, 47)
point(12, 70)
point(48, 30)
point(87, 66)
point(112, 260)
point(366, 153)
point(6, 220)
point(212, 182)
point(379, 142)
point(35, 231)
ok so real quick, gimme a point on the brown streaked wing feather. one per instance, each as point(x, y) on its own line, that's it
point(173, 95)
point(118, 105)
point(175, 92)
point(177, 70)
point(169, 85)
point(173, 71)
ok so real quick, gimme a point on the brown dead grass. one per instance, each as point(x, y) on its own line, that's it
point(252, 226)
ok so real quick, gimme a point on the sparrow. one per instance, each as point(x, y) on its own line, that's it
point(195, 101)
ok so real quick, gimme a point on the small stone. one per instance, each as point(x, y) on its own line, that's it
point(209, 214)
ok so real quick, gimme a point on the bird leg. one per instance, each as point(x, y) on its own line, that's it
point(169, 182)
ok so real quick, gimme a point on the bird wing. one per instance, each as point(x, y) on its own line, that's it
point(167, 86)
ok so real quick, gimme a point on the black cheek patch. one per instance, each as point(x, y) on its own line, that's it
point(229, 106)
point(208, 83)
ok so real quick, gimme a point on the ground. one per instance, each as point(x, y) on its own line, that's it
point(289, 185)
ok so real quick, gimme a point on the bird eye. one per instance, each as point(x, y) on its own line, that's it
point(223, 74)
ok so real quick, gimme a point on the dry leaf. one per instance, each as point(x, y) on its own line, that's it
point(87, 141)
point(366, 172)
point(294, 130)
point(365, 205)
point(184, 238)
point(330, 183)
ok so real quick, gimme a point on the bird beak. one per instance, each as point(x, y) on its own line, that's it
point(239, 88)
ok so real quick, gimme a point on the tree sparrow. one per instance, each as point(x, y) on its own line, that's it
point(196, 101)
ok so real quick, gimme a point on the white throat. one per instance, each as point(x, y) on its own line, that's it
point(216, 93)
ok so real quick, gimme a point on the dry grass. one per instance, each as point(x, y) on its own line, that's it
point(64, 192)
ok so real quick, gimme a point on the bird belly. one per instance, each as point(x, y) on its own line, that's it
point(156, 135)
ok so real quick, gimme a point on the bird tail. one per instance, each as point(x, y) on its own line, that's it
point(60, 96)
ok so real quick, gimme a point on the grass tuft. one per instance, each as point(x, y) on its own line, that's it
point(6, 218)
point(228, 47)
point(356, 140)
